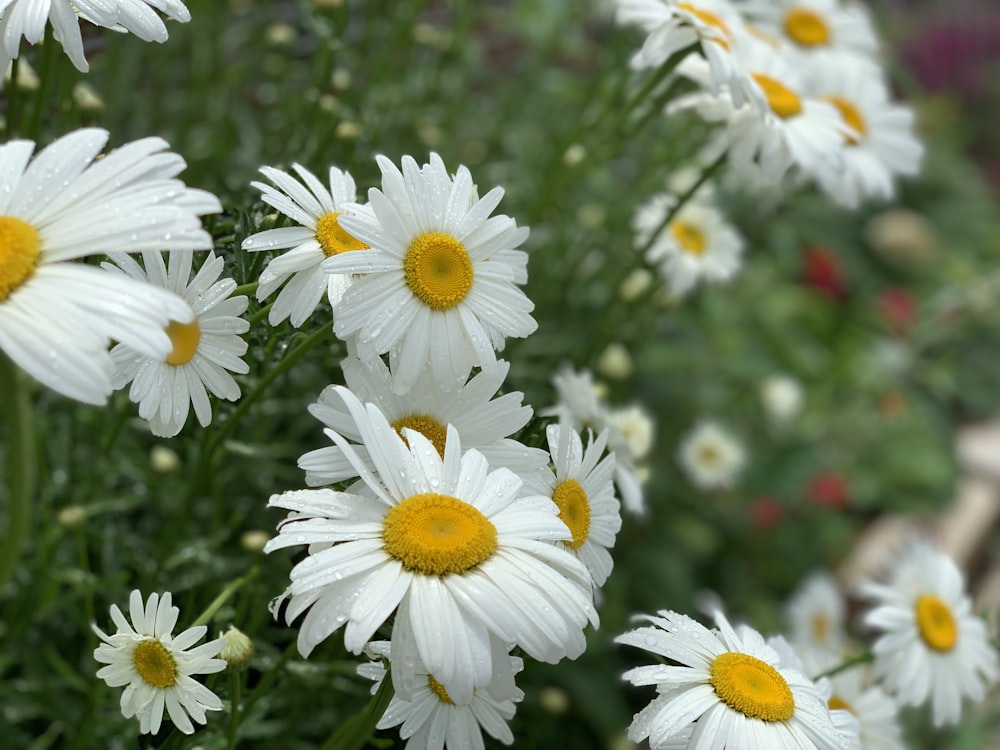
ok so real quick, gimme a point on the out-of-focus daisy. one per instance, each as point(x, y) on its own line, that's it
point(729, 689)
point(319, 236)
point(482, 421)
point(440, 280)
point(453, 545)
point(579, 400)
point(815, 614)
point(931, 646)
point(431, 720)
point(581, 487)
point(782, 397)
point(26, 18)
point(711, 457)
point(156, 667)
point(56, 316)
point(816, 25)
point(876, 712)
point(204, 351)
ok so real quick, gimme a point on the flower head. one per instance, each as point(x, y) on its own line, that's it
point(711, 456)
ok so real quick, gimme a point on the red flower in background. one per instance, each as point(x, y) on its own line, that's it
point(829, 489)
point(821, 270)
point(766, 512)
point(897, 308)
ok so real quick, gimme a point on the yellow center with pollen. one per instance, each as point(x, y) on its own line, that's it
point(429, 427)
point(574, 510)
point(936, 623)
point(438, 689)
point(782, 100)
point(438, 534)
point(438, 270)
point(820, 627)
point(20, 247)
point(806, 27)
point(836, 703)
point(852, 118)
point(752, 687)
point(185, 338)
point(155, 665)
point(333, 239)
point(689, 237)
point(709, 19)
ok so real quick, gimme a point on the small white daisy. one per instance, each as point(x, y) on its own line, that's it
point(815, 613)
point(453, 545)
point(319, 236)
point(204, 351)
point(581, 487)
point(816, 25)
point(932, 647)
point(782, 397)
point(877, 713)
point(57, 316)
point(440, 280)
point(156, 667)
point(711, 456)
point(730, 690)
point(431, 719)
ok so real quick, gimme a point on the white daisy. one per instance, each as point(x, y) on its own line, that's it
point(729, 690)
point(204, 351)
point(432, 720)
point(579, 400)
point(482, 421)
point(319, 236)
point(932, 647)
point(448, 542)
point(782, 397)
point(815, 613)
point(157, 667)
point(711, 456)
point(440, 279)
point(26, 18)
point(876, 712)
point(816, 25)
point(581, 487)
point(56, 316)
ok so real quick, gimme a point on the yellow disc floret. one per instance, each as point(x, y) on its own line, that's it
point(438, 270)
point(429, 427)
point(782, 100)
point(20, 247)
point(689, 237)
point(185, 337)
point(574, 510)
point(438, 534)
point(752, 687)
point(710, 19)
point(806, 27)
point(852, 118)
point(155, 664)
point(438, 689)
point(836, 703)
point(936, 623)
point(820, 626)
point(333, 239)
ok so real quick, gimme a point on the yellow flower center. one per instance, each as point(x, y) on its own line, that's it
point(574, 510)
point(20, 247)
point(852, 118)
point(185, 337)
point(689, 237)
point(429, 427)
point(709, 455)
point(820, 628)
point(155, 665)
point(438, 689)
point(709, 19)
point(836, 703)
point(332, 238)
point(752, 687)
point(438, 270)
point(936, 623)
point(437, 534)
point(806, 27)
point(782, 100)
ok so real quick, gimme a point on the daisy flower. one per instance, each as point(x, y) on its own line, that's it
point(815, 614)
point(728, 689)
point(711, 457)
point(816, 25)
point(931, 646)
point(157, 667)
point(56, 316)
point(318, 236)
point(782, 397)
point(204, 351)
point(439, 288)
point(431, 720)
point(482, 421)
point(26, 18)
point(875, 711)
point(453, 545)
point(581, 487)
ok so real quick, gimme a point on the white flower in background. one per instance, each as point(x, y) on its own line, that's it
point(816, 25)
point(730, 689)
point(581, 488)
point(456, 547)
point(431, 720)
point(711, 457)
point(931, 647)
point(579, 400)
point(876, 712)
point(483, 420)
point(156, 667)
point(26, 18)
point(57, 317)
point(204, 351)
point(815, 613)
point(440, 280)
point(317, 210)
point(782, 397)
point(615, 361)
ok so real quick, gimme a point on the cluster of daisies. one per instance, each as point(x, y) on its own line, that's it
point(729, 686)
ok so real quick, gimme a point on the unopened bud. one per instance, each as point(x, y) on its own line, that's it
point(237, 650)
point(164, 460)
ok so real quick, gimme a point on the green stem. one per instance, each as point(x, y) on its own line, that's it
point(14, 99)
point(249, 288)
point(222, 598)
point(354, 733)
point(651, 83)
point(262, 687)
point(46, 73)
point(862, 658)
point(21, 463)
point(236, 677)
